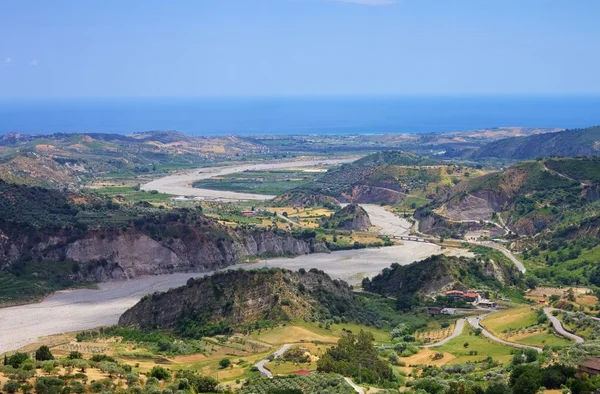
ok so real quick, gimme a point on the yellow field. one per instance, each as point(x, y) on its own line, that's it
point(436, 334)
point(520, 325)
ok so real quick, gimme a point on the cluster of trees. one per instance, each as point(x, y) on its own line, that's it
point(355, 356)
point(21, 371)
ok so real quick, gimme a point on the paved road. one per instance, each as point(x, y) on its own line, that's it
point(180, 184)
point(475, 322)
point(505, 251)
point(458, 329)
point(558, 327)
point(261, 364)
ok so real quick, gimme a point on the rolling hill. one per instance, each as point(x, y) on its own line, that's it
point(428, 278)
point(383, 177)
point(66, 159)
point(530, 196)
point(570, 143)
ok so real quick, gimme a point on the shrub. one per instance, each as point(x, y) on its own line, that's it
point(160, 373)
point(224, 363)
point(43, 354)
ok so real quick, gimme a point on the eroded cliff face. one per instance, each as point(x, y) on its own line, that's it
point(115, 255)
point(239, 297)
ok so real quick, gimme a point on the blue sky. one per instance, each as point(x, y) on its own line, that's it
point(156, 48)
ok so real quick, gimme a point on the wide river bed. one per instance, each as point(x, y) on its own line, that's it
point(74, 310)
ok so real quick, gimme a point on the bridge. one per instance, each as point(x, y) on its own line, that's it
point(414, 239)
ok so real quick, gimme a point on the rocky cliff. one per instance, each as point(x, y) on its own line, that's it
point(242, 297)
point(117, 254)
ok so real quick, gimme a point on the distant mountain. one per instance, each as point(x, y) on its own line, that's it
point(570, 143)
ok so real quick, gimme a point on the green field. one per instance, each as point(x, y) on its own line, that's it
point(485, 347)
point(130, 194)
point(261, 182)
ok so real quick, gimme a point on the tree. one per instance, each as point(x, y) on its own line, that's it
point(556, 375)
point(525, 379)
point(48, 385)
point(75, 355)
point(43, 354)
point(224, 363)
point(531, 283)
point(49, 368)
point(81, 365)
point(12, 386)
point(160, 373)
point(497, 388)
point(17, 359)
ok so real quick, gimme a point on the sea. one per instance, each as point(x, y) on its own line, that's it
point(297, 115)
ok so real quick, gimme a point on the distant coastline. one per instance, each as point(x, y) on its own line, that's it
point(297, 115)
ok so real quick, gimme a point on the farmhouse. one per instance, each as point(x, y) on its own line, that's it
point(591, 366)
point(457, 294)
point(434, 311)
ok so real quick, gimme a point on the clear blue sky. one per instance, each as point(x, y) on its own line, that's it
point(124, 48)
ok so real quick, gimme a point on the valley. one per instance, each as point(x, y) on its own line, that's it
point(425, 258)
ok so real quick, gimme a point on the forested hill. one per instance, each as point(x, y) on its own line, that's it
point(380, 177)
point(430, 277)
point(576, 142)
point(234, 299)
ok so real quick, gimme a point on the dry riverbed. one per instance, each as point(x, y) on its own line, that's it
point(82, 309)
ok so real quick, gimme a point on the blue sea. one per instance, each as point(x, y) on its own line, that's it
point(297, 115)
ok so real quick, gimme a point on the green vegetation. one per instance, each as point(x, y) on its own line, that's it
point(317, 383)
point(407, 283)
point(262, 182)
point(356, 356)
point(576, 142)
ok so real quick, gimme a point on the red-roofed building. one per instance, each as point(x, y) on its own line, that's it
point(455, 294)
point(302, 372)
point(471, 297)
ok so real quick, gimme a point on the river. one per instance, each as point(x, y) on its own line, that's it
point(81, 309)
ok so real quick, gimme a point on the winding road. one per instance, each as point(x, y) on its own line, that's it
point(475, 321)
point(558, 327)
point(261, 364)
point(265, 372)
point(458, 329)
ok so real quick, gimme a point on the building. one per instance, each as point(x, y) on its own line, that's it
point(487, 304)
point(471, 297)
point(591, 367)
point(248, 213)
point(455, 294)
point(434, 311)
